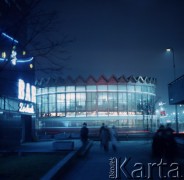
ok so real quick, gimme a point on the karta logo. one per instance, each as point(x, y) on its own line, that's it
point(159, 170)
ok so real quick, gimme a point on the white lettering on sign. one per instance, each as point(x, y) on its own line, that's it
point(26, 92)
point(27, 108)
point(21, 92)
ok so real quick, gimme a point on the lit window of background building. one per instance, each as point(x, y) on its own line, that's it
point(127, 103)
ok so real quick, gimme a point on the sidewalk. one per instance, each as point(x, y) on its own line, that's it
point(96, 164)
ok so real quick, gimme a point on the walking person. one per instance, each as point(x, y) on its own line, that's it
point(113, 134)
point(105, 138)
point(84, 134)
point(101, 128)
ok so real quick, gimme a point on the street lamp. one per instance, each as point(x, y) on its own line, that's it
point(174, 71)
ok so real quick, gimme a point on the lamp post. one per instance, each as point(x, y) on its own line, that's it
point(174, 71)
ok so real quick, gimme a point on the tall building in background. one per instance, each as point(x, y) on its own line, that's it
point(17, 90)
point(127, 103)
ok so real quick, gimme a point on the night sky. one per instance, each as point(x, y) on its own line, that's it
point(123, 37)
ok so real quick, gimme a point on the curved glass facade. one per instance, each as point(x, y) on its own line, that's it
point(127, 103)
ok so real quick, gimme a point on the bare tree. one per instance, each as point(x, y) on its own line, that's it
point(42, 40)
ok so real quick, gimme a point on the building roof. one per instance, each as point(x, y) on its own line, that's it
point(91, 80)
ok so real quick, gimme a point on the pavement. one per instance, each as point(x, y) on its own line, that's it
point(132, 159)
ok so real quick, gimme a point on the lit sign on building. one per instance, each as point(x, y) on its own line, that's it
point(27, 108)
point(28, 93)
point(13, 56)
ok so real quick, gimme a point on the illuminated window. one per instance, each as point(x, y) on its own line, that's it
point(102, 87)
point(52, 90)
point(112, 87)
point(138, 88)
point(70, 89)
point(91, 103)
point(33, 94)
point(121, 87)
point(80, 88)
point(70, 101)
point(52, 103)
point(112, 99)
point(130, 88)
point(144, 88)
point(122, 102)
point(61, 102)
point(102, 101)
point(91, 88)
point(60, 89)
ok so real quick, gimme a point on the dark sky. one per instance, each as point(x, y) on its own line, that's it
point(123, 37)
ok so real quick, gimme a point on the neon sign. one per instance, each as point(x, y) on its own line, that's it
point(26, 91)
point(26, 108)
point(13, 56)
point(9, 38)
point(14, 60)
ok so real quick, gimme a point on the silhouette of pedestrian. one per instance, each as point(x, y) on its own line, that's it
point(105, 138)
point(84, 134)
point(158, 144)
point(101, 128)
point(113, 134)
point(170, 143)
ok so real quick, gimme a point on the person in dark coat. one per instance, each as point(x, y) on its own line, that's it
point(105, 138)
point(170, 142)
point(158, 144)
point(101, 128)
point(84, 134)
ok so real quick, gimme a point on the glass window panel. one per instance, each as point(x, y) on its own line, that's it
point(144, 88)
point(91, 88)
point(80, 101)
point(70, 89)
point(60, 102)
point(122, 87)
point(52, 103)
point(80, 88)
point(44, 90)
point(131, 102)
point(102, 101)
point(130, 88)
point(112, 87)
point(60, 89)
point(139, 102)
point(122, 102)
point(138, 88)
point(45, 104)
point(70, 101)
point(145, 103)
point(91, 101)
point(113, 105)
point(52, 90)
point(102, 87)
point(38, 102)
point(38, 90)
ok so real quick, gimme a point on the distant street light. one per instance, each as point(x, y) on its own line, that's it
point(174, 71)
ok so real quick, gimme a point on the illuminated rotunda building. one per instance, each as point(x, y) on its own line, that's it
point(127, 103)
